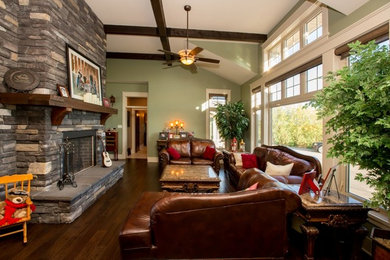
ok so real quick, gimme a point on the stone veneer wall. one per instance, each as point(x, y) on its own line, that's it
point(34, 34)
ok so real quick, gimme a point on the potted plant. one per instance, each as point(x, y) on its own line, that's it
point(357, 101)
point(231, 120)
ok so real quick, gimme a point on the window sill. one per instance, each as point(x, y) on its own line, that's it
point(379, 219)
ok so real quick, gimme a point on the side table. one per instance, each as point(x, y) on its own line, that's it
point(343, 216)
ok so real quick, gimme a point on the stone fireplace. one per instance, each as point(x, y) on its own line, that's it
point(34, 36)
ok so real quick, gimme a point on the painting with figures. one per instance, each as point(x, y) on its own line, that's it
point(84, 78)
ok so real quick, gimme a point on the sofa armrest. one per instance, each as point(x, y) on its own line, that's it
point(164, 157)
point(218, 156)
point(253, 175)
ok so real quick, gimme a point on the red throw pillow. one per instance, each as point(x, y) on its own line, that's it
point(172, 152)
point(249, 161)
point(209, 153)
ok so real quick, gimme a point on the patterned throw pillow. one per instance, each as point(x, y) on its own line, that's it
point(172, 152)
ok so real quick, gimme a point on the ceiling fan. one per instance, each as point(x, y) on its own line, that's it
point(188, 57)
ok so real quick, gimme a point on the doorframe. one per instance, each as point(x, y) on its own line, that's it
point(133, 108)
point(125, 95)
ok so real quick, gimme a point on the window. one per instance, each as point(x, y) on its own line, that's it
point(293, 86)
point(297, 126)
point(314, 79)
point(313, 29)
point(256, 109)
point(355, 187)
point(214, 98)
point(276, 91)
point(275, 55)
point(291, 45)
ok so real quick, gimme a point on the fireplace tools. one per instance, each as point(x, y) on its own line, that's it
point(66, 167)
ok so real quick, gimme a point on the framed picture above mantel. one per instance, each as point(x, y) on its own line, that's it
point(84, 77)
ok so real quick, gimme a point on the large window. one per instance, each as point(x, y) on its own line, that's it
point(355, 187)
point(297, 126)
point(293, 86)
point(313, 29)
point(314, 78)
point(291, 45)
point(275, 91)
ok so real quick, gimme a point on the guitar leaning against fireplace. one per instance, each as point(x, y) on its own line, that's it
point(105, 156)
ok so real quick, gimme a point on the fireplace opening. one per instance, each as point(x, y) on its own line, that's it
point(82, 154)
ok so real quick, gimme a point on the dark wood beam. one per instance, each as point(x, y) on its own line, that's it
point(130, 30)
point(158, 12)
point(193, 33)
point(217, 35)
point(135, 56)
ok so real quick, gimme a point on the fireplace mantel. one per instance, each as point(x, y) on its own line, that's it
point(61, 106)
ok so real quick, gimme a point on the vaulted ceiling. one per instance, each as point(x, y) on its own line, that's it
point(228, 30)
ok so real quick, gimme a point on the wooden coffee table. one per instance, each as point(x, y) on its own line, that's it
point(189, 178)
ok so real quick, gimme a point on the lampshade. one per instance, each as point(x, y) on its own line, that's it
point(186, 58)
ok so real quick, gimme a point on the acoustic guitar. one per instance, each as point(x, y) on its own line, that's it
point(105, 156)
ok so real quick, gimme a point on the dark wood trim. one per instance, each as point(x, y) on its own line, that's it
point(131, 30)
point(300, 69)
point(158, 12)
point(256, 89)
point(61, 105)
point(217, 35)
point(181, 33)
point(135, 56)
point(378, 34)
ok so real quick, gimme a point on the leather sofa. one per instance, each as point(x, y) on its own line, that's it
point(191, 151)
point(278, 155)
point(242, 224)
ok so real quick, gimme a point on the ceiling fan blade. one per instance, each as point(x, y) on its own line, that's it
point(193, 68)
point(208, 60)
point(170, 67)
point(170, 52)
point(195, 51)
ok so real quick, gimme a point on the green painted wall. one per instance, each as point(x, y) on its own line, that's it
point(338, 21)
point(244, 54)
point(172, 94)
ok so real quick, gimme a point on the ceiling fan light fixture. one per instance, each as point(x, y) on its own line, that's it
point(186, 58)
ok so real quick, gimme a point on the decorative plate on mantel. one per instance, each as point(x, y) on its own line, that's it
point(21, 80)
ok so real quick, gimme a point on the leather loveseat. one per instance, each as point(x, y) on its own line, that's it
point(191, 151)
point(243, 224)
point(278, 155)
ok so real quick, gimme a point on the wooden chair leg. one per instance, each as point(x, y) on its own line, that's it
point(25, 232)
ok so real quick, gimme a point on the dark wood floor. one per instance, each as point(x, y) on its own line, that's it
point(94, 235)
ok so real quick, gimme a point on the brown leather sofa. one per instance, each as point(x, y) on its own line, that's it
point(243, 224)
point(278, 155)
point(191, 151)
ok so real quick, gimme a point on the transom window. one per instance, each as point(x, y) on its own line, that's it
point(314, 78)
point(275, 55)
point(291, 44)
point(276, 91)
point(313, 29)
point(293, 86)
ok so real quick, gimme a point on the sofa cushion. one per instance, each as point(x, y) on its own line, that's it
point(249, 161)
point(181, 161)
point(182, 146)
point(173, 153)
point(198, 146)
point(201, 161)
point(282, 158)
point(291, 179)
point(135, 233)
point(209, 153)
point(283, 170)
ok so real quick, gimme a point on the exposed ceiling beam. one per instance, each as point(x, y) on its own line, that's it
point(158, 12)
point(177, 32)
point(135, 56)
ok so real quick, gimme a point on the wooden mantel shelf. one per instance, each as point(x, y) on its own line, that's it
point(61, 106)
